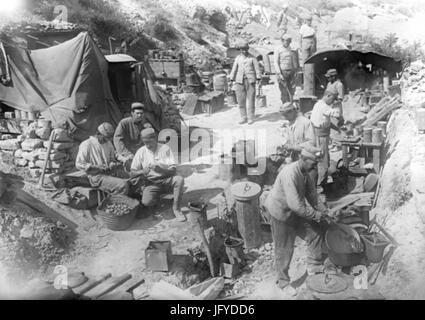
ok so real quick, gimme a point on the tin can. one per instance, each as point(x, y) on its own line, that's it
point(367, 134)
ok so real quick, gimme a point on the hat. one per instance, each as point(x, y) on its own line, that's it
point(331, 72)
point(106, 129)
point(287, 107)
point(308, 17)
point(148, 133)
point(311, 152)
point(137, 105)
point(285, 37)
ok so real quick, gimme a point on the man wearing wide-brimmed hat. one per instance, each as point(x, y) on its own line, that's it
point(335, 85)
point(246, 74)
point(290, 216)
point(96, 157)
point(285, 66)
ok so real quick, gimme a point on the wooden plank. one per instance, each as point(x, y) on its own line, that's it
point(132, 284)
point(44, 209)
point(90, 284)
point(107, 286)
point(377, 160)
point(190, 104)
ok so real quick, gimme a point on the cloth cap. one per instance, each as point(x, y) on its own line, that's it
point(106, 129)
point(285, 37)
point(287, 107)
point(311, 152)
point(331, 72)
point(331, 92)
point(308, 17)
point(137, 105)
point(148, 133)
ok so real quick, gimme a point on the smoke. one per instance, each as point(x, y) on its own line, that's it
point(8, 288)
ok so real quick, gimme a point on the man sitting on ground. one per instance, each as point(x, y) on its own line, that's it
point(155, 162)
point(96, 157)
point(127, 135)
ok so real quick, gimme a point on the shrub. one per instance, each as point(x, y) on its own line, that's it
point(159, 27)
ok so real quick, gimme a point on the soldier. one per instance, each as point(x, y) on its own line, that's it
point(246, 73)
point(285, 66)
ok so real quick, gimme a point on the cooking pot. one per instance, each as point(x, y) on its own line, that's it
point(344, 245)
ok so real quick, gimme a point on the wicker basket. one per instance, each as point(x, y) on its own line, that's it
point(118, 223)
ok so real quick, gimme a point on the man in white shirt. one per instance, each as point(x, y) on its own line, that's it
point(155, 162)
point(307, 39)
point(321, 120)
point(96, 156)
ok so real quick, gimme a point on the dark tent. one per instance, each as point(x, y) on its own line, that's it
point(66, 83)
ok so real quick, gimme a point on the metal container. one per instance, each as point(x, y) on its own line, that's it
point(375, 245)
point(367, 134)
point(231, 98)
point(377, 135)
point(24, 115)
point(32, 116)
point(383, 126)
point(261, 101)
point(17, 114)
point(234, 250)
point(220, 82)
point(158, 255)
point(9, 115)
point(247, 195)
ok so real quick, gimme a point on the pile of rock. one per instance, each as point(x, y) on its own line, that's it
point(30, 149)
point(412, 83)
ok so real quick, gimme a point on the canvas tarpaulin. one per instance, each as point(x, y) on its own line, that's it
point(66, 83)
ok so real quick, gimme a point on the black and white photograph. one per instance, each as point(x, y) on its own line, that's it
point(212, 154)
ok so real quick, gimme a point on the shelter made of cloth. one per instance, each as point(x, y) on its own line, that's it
point(65, 83)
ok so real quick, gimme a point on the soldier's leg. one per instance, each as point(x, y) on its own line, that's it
point(241, 97)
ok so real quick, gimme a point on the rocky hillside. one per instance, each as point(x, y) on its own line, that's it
point(203, 29)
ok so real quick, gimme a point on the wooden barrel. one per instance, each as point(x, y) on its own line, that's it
point(246, 195)
point(220, 82)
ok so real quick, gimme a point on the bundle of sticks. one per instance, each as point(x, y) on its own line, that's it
point(383, 108)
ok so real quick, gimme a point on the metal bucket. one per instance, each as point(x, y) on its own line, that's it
point(234, 250)
point(375, 245)
point(377, 135)
point(261, 101)
point(367, 134)
point(231, 98)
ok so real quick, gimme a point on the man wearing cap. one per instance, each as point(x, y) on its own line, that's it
point(155, 162)
point(298, 130)
point(127, 135)
point(285, 66)
point(307, 39)
point(335, 85)
point(321, 119)
point(290, 216)
point(246, 74)
point(96, 157)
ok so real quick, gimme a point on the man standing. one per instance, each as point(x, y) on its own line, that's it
point(298, 130)
point(127, 135)
point(96, 156)
point(156, 163)
point(246, 73)
point(282, 22)
point(290, 216)
point(307, 39)
point(321, 120)
point(335, 85)
point(285, 68)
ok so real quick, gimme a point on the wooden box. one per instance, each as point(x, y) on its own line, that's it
point(158, 255)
